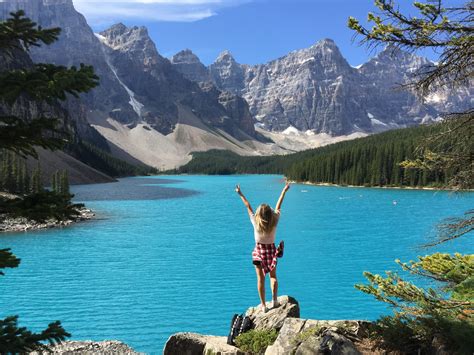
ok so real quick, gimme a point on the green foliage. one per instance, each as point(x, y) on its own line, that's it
point(256, 341)
point(223, 162)
point(60, 183)
point(7, 259)
point(47, 82)
point(371, 161)
point(14, 176)
point(106, 163)
point(447, 29)
point(41, 206)
point(19, 32)
point(424, 314)
point(39, 83)
point(21, 137)
point(306, 334)
point(416, 335)
point(14, 339)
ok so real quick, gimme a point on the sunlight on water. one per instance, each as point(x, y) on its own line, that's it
point(174, 254)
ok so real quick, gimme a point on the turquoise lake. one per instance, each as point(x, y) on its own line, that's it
point(173, 253)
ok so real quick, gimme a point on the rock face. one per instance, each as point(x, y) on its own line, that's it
point(137, 85)
point(187, 63)
point(274, 318)
point(193, 344)
point(316, 89)
point(307, 336)
point(296, 335)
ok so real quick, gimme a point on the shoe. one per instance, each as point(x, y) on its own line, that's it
point(263, 308)
point(275, 304)
point(280, 249)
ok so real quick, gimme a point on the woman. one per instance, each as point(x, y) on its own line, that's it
point(265, 253)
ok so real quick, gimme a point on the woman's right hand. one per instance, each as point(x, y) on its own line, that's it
point(287, 187)
point(237, 189)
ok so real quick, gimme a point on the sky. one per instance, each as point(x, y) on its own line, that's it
point(255, 31)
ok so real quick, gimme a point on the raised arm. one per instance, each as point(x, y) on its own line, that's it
point(282, 196)
point(244, 200)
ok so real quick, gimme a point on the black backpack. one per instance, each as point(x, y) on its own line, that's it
point(240, 324)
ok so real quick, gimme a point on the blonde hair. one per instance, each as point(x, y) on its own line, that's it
point(265, 219)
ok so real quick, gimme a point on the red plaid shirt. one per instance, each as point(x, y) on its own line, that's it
point(267, 255)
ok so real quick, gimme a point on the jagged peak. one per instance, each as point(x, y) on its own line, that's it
point(225, 56)
point(392, 52)
point(185, 56)
point(325, 43)
point(127, 33)
point(116, 29)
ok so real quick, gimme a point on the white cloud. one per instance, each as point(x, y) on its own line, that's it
point(108, 11)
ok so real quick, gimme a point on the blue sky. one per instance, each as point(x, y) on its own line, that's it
point(255, 31)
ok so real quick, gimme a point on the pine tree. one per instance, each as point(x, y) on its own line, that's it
point(41, 82)
point(64, 183)
point(423, 315)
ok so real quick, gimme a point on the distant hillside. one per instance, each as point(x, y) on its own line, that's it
point(368, 161)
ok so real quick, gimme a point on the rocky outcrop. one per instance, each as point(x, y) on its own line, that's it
point(193, 344)
point(274, 317)
point(307, 336)
point(188, 64)
point(295, 335)
point(21, 224)
point(90, 347)
point(227, 74)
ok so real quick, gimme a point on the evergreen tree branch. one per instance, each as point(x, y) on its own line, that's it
point(8, 259)
point(47, 82)
point(14, 339)
point(22, 137)
point(19, 32)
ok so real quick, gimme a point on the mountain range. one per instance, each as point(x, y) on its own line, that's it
point(152, 110)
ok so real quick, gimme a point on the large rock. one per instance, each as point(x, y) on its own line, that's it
point(194, 344)
point(274, 317)
point(90, 347)
point(307, 336)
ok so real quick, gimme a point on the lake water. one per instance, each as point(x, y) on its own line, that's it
point(170, 254)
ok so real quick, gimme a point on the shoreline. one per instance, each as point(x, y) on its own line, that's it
point(327, 184)
point(22, 224)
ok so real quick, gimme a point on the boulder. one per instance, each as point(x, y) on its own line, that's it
point(274, 317)
point(307, 336)
point(194, 344)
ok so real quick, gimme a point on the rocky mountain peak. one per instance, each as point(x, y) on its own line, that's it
point(116, 30)
point(185, 56)
point(121, 37)
point(225, 56)
point(188, 64)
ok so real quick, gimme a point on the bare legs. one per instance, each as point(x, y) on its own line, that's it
point(261, 284)
point(274, 284)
